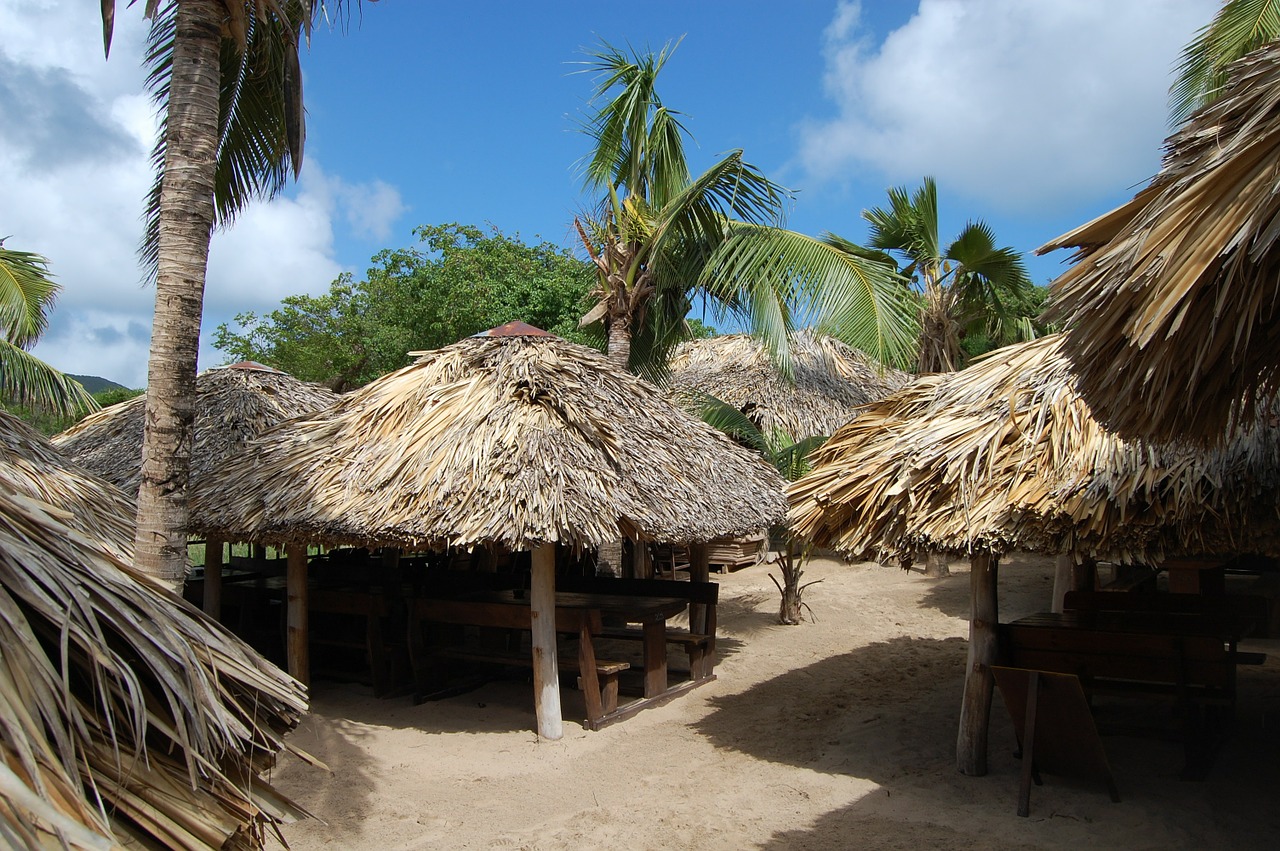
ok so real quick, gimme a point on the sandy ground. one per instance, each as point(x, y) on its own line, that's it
point(834, 734)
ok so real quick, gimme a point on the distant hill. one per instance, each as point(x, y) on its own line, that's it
point(96, 384)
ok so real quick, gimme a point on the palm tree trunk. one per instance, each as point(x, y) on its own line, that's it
point(619, 351)
point(186, 222)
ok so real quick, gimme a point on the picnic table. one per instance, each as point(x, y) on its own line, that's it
point(1188, 657)
point(579, 613)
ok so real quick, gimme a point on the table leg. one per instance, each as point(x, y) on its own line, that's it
point(655, 658)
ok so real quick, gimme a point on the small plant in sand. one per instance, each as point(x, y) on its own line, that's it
point(791, 458)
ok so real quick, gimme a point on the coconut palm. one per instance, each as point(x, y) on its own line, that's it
point(226, 76)
point(1241, 26)
point(27, 293)
point(661, 237)
point(968, 284)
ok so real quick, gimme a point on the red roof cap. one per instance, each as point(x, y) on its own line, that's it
point(515, 328)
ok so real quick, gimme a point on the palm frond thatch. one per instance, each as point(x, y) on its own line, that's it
point(507, 440)
point(1171, 305)
point(32, 467)
point(831, 381)
point(1006, 456)
point(127, 717)
point(233, 404)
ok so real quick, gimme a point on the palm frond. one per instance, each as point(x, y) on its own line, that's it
point(27, 293)
point(26, 380)
point(1240, 27)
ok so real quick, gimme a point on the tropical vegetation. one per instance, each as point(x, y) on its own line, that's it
point(661, 238)
point(1239, 27)
point(790, 457)
point(458, 281)
point(967, 285)
point(27, 295)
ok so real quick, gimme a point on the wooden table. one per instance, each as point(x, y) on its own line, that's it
point(1190, 658)
point(580, 613)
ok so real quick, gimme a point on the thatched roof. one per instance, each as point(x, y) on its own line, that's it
point(1005, 456)
point(831, 381)
point(509, 440)
point(151, 732)
point(1172, 304)
point(233, 404)
point(32, 467)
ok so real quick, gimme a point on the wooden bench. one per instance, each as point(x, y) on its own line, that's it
point(598, 679)
point(1135, 653)
point(699, 641)
point(355, 620)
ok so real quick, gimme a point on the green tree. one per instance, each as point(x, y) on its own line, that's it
point(459, 281)
point(967, 285)
point(791, 459)
point(27, 294)
point(226, 77)
point(1239, 27)
point(659, 237)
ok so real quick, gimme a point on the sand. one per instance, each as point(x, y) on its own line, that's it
point(834, 734)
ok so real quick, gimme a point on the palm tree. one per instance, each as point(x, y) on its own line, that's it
point(661, 237)
point(27, 293)
point(790, 457)
point(966, 285)
point(1239, 27)
point(226, 75)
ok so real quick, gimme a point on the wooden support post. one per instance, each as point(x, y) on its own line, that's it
point(546, 669)
point(296, 633)
point(1063, 577)
point(975, 712)
point(699, 571)
point(212, 601)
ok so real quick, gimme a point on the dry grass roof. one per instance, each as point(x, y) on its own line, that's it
point(127, 718)
point(1172, 307)
point(1006, 456)
point(233, 404)
point(508, 440)
point(32, 467)
point(831, 381)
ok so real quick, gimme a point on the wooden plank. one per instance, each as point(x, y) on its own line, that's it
point(655, 658)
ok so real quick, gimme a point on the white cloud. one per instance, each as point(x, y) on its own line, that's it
point(80, 170)
point(1020, 104)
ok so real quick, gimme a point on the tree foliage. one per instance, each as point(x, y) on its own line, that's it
point(1239, 27)
point(661, 238)
point(459, 280)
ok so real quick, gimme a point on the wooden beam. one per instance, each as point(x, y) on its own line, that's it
point(546, 669)
point(699, 571)
point(979, 683)
point(212, 601)
point(296, 634)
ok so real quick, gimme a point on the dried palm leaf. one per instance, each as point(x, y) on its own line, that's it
point(510, 440)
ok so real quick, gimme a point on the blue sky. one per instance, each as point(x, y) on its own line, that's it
point(1034, 115)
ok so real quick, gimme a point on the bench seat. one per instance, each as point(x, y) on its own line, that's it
point(606, 671)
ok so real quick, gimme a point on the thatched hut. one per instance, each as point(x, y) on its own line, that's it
point(831, 381)
point(1005, 456)
point(233, 404)
point(515, 439)
point(126, 716)
point(1171, 305)
point(33, 468)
